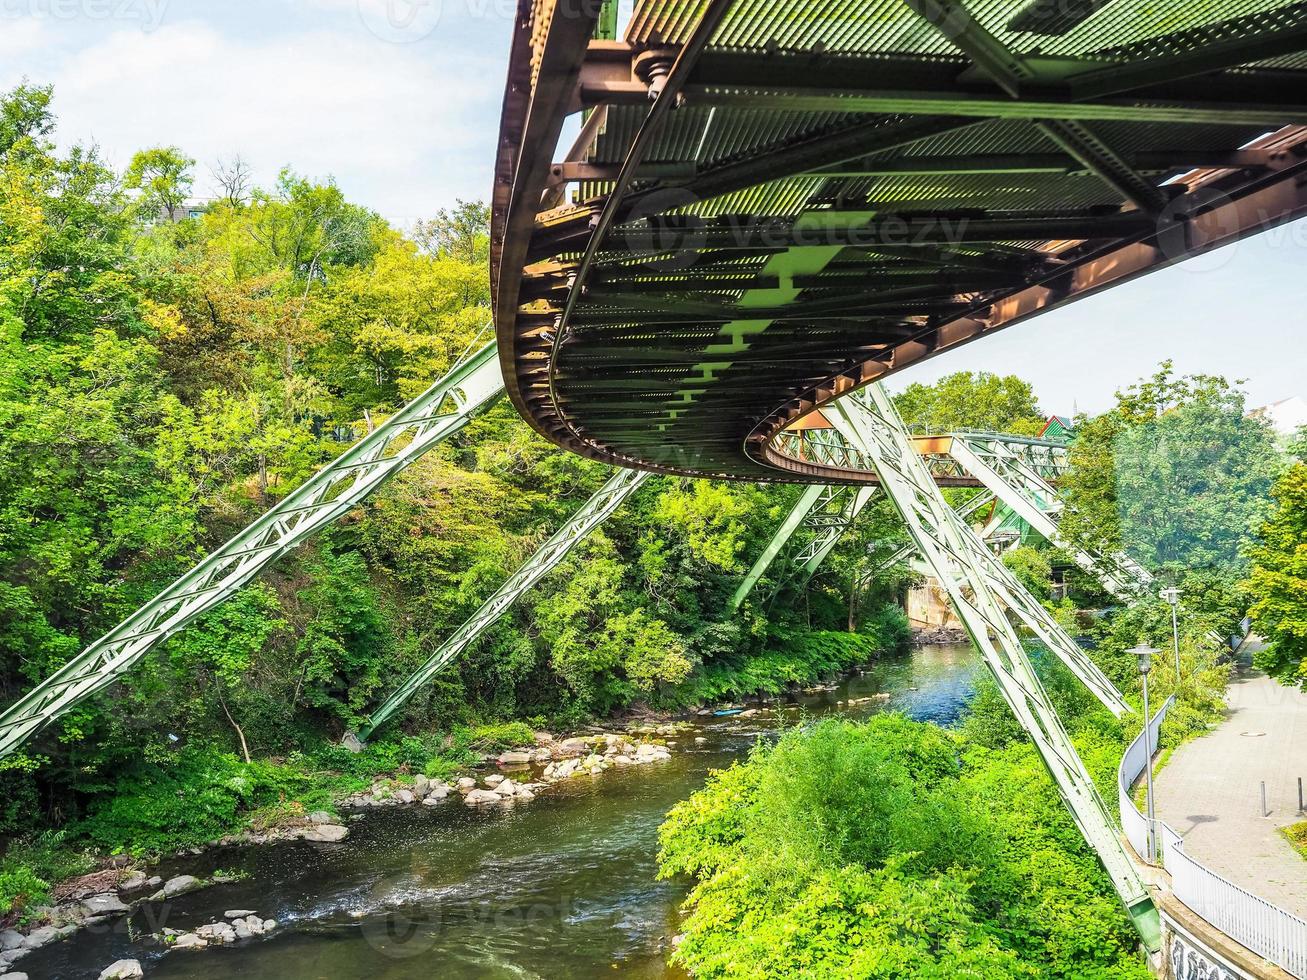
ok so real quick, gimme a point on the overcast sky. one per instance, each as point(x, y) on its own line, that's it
point(399, 101)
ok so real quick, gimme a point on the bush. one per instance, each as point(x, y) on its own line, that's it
point(20, 890)
point(891, 849)
point(201, 796)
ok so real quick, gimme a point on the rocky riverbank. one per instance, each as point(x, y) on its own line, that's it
point(517, 776)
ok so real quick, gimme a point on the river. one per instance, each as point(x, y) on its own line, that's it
point(561, 887)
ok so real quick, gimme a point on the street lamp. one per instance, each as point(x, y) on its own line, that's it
point(1143, 653)
point(1172, 596)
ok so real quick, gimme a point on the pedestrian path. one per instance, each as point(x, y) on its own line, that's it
point(1210, 793)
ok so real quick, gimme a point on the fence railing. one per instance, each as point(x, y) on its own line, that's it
point(1268, 930)
point(1133, 761)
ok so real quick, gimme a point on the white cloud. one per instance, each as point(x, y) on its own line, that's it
point(402, 130)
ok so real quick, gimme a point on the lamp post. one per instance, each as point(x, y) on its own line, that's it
point(1172, 596)
point(1143, 653)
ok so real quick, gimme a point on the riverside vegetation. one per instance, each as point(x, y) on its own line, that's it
point(163, 381)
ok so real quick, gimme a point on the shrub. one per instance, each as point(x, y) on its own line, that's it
point(20, 890)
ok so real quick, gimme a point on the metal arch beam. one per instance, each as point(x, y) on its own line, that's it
point(574, 530)
point(950, 549)
point(442, 410)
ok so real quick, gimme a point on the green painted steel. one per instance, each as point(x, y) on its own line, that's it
point(957, 558)
point(1010, 478)
point(593, 513)
point(443, 409)
point(793, 521)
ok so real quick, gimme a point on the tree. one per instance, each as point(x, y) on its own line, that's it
point(968, 400)
point(1278, 583)
point(25, 115)
point(163, 176)
point(1176, 474)
point(234, 180)
point(461, 232)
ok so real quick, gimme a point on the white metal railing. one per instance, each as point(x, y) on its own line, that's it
point(1133, 761)
point(1268, 930)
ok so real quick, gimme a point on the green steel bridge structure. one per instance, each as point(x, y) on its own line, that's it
point(765, 209)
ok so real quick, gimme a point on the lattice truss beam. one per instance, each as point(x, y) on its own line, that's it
point(1010, 476)
point(593, 513)
point(980, 588)
point(442, 410)
point(835, 447)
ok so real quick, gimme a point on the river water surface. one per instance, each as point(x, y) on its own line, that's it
point(563, 886)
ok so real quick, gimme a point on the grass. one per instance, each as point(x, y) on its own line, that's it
point(1296, 835)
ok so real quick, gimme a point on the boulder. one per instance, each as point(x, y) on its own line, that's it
point(495, 780)
point(217, 932)
point(189, 940)
point(542, 754)
point(525, 795)
point(700, 741)
point(573, 746)
point(544, 738)
point(40, 937)
point(522, 758)
point(13, 976)
point(269, 925)
point(481, 797)
point(10, 939)
point(466, 783)
point(506, 788)
point(181, 885)
point(106, 904)
point(438, 792)
point(405, 796)
point(133, 884)
point(432, 800)
point(123, 970)
point(254, 924)
point(320, 816)
point(421, 784)
point(242, 929)
point(327, 833)
point(237, 913)
point(622, 760)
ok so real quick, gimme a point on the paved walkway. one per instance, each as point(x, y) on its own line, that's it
point(1209, 790)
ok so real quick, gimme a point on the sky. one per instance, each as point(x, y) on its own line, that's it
point(399, 101)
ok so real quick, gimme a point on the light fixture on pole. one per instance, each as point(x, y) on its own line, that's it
point(1143, 653)
point(1172, 596)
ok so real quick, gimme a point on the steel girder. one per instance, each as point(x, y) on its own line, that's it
point(954, 554)
point(593, 513)
point(812, 512)
point(1022, 488)
point(442, 410)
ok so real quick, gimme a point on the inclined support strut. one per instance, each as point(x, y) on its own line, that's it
point(442, 410)
point(593, 513)
point(953, 552)
point(1006, 475)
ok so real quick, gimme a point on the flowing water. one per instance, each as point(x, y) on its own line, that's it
point(563, 886)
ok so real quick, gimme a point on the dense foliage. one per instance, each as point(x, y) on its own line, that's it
point(891, 849)
point(1278, 583)
point(897, 849)
point(164, 378)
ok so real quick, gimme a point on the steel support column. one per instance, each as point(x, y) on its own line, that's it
point(429, 419)
point(593, 513)
point(1006, 475)
point(951, 550)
